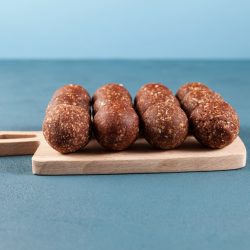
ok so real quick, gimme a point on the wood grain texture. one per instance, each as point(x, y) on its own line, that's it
point(19, 142)
point(140, 158)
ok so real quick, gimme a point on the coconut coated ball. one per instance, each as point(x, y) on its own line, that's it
point(165, 126)
point(67, 128)
point(215, 124)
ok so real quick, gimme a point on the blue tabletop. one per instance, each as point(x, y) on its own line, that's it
point(207, 210)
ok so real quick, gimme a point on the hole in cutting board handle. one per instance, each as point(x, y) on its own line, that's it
point(16, 136)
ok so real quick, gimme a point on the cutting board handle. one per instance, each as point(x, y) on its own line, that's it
point(19, 142)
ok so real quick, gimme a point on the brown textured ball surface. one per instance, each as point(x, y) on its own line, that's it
point(165, 126)
point(101, 103)
point(71, 94)
point(152, 93)
point(67, 128)
point(73, 89)
point(110, 93)
point(215, 124)
point(116, 127)
point(118, 106)
point(198, 97)
point(184, 89)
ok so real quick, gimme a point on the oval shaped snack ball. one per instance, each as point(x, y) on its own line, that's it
point(71, 94)
point(67, 128)
point(165, 126)
point(215, 124)
point(152, 93)
point(198, 97)
point(184, 89)
point(116, 127)
point(109, 93)
point(73, 89)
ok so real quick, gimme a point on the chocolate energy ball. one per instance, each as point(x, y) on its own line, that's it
point(215, 124)
point(165, 126)
point(115, 123)
point(116, 127)
point(198, 97)
point(67, 123)
point(109, 93)
point(67, 128)
point(73, 89)
point(184, 89)
point(71, 94)
point(152, 93)
point(102, 103)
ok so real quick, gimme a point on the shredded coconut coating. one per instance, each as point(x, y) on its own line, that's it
point(67, 128)
point(109, 93)
point(71, 94)
point(165, 126)
point(184, 89)
point(67, 124)
point(73, 89)
point(115, 123)
point(215, 124)
point(198, 97)
point(152, 93)
point(116, 127)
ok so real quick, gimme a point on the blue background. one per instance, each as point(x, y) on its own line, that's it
point(209, 210)
point(125, 29)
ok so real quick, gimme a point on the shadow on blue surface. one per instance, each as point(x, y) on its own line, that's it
point(198, 210)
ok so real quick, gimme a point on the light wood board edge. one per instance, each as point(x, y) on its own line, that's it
point(48, 166)
point(19, 142)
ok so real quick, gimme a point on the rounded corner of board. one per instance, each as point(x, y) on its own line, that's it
point(36, 169)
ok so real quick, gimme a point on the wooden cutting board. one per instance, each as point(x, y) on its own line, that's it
point(140, 158)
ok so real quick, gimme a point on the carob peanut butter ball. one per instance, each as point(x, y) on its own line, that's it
point(116, 126)
point(67, 124)
point(111, 93)
point(198, 97)
point(115, 123)
point(152, 93)
point(165, 126)
point(67, 128)
point(71, 94)
point(215, 124)
point(184, 89)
